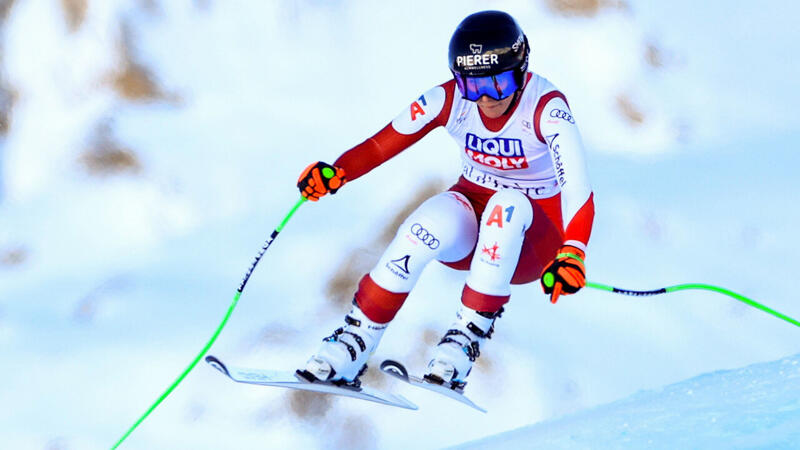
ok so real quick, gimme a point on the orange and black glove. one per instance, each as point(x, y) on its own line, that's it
point(319, 179)
point(566, 274)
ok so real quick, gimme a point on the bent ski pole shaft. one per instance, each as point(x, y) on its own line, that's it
point(221, 325)
point(706, 287)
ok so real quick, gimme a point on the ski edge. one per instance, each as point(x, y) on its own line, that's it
point(366, 393)
point(399, 371)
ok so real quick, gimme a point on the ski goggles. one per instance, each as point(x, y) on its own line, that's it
point(497, 86)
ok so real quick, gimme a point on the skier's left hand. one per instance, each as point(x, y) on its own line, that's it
point(566, 274)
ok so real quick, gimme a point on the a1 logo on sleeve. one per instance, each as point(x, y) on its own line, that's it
point(421, 112)
point(416, 107)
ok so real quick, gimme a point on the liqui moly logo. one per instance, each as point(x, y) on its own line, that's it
point(500, 153)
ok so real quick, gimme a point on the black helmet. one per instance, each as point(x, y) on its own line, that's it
point(488, 43)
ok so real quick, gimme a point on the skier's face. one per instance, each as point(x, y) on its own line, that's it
point(492, 108)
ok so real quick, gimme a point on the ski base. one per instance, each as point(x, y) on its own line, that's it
point(292, 380)
point(399, 371)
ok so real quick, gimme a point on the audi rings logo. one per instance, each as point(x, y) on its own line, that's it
point(426, 237)
point(561, 114)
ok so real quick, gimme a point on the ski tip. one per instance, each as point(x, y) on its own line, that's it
point(395, 369)
point(217, 364)
point(408, 405)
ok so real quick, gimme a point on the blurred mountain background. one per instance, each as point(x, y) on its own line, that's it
point(147, 148)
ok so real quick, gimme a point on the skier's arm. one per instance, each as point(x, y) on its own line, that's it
point(427, 112)
point(556, 127)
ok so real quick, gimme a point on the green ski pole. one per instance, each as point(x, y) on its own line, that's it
point(219, 328)
point(698, 286)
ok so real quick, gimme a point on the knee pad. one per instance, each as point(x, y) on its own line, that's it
point(443, 227)
point(507, 216)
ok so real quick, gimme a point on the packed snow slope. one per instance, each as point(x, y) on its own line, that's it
point(757, 406)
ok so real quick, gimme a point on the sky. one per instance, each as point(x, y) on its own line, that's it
point(114, 281)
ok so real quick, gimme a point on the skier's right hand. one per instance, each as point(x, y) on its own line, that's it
point(319, 179)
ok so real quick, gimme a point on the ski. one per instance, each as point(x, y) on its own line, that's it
point(294, 380)
point(399, 371)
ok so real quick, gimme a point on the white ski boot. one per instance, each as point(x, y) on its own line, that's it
point(342, 357)
point(460, 347)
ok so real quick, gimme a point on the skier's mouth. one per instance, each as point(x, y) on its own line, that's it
point(491, 107)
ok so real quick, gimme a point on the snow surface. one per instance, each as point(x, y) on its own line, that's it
point(757, 406)
point(125, 277)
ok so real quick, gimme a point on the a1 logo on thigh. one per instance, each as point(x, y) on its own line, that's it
point(496, 216)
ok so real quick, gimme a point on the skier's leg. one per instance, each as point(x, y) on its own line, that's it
point(507, 216)
point(444, 228)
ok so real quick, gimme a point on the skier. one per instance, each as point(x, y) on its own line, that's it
point(521, 210)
